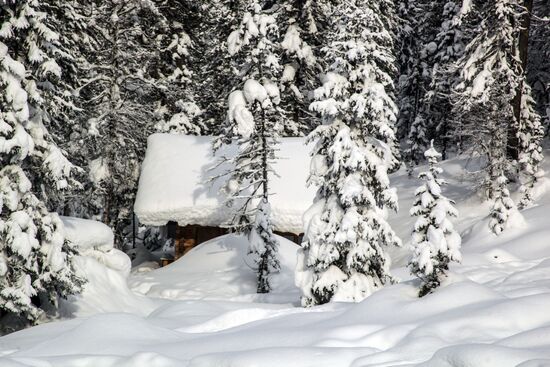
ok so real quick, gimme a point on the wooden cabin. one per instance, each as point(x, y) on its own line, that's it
point(175, 190)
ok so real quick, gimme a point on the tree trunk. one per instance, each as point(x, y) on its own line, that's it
point(523, 48)
point(264, 158)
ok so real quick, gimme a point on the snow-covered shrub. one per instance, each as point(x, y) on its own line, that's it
point(502, 207)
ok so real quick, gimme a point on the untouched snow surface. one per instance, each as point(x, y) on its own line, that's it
point(175, 183)
point(201, 311)
point(219, 270)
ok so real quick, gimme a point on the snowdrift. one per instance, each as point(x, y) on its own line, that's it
point(106, 270)
point(219, 269)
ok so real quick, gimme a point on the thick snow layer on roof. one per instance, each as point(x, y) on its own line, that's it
point(85, 233)
point(174, 183)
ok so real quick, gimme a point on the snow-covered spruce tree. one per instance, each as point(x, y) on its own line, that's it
point(491, 74)
point(35, 260)
point(538, 71)
point(42, 48)
point(179, 112)
point(416, 30)
point(253, 122)
point(120, 95)
point(530, 135)
point(449, 43)
point(435, 242)
point(218, 18)
point(343, 257)
point(303, 28)
point(63, 110)
point(432, 39)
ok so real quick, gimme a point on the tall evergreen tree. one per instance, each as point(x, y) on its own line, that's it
point(179, 111)
point(35, 260)
point(215, 74)
point(491, 73)
point(343, 257)
point(254, 123)
point(448, 45)
point(120, 92)
point(435, 242)
point(538, 70)
point(302, 29)
point(415, 33)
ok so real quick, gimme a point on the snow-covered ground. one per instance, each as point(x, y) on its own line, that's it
point(202, 310)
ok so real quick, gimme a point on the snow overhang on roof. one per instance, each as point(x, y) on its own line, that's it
point(174, 183)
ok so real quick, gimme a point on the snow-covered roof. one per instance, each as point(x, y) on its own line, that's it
point(174, 183)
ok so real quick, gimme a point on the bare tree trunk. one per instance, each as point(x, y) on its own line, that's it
point(523, 45)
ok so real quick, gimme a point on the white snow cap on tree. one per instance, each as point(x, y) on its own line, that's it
point(435, 242)
point(252, 26)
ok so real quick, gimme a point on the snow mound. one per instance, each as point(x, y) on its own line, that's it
point(105, 269)
point(219, 269)
point(88, 233)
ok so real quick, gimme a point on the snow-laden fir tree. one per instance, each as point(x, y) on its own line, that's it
point(491, 76)
point(435, 242)
point(503, 206)
point(179, 112)
point(214, 72)
point(530, 135)
point(42, 47)
point(432, 40)
point(415, 34)
point(302, 31)
point(449, 43)
point(302, 26)
point(343, 256)
point(538, 71)
point(253, 122)
point(35, 260)
point(120, 94)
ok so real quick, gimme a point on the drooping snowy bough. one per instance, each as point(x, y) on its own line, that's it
point(343, 256)
point(435, 242)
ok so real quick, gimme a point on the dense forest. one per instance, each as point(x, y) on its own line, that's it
point(377, 84)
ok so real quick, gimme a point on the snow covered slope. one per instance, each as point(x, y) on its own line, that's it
point(491, 312)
